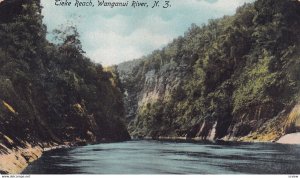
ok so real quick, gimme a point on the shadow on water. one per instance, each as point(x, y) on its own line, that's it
point(164, 157)
point(54, 162)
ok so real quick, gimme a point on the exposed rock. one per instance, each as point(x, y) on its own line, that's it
point(293, 138)
point(205, 86)
point(293, 120)
point(50, 94)
point(16, 160)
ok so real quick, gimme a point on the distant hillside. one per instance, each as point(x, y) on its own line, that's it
point(235, 78)
point(50, 94)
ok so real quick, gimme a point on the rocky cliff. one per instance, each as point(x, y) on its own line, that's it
point(50, 94)
point(235, 78)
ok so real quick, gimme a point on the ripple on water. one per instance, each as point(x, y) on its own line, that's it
point(157, 157)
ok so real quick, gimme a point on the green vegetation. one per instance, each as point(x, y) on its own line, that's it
point(238, 71)
point(52, 92)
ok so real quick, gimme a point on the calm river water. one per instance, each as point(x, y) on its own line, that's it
point(158, 157)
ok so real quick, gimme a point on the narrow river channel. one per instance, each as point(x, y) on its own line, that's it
point(159, 157)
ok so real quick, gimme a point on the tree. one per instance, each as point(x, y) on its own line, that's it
point(68, 40)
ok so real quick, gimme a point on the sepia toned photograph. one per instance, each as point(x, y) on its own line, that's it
point(149, 87)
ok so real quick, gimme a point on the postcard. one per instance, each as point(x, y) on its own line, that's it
point(149, 87)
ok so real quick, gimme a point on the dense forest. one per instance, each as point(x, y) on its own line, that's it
point(234, 77)
point(52, 93)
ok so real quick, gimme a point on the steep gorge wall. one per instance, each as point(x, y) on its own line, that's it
point(50, 94)
point(152, 87)
point(235, 78)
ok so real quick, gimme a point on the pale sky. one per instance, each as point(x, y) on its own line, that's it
point(113, 35)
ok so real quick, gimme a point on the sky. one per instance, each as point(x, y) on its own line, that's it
point(114, 35)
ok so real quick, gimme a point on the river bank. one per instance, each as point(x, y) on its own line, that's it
point(169, 157)
point(14, 161)
point(293, 138)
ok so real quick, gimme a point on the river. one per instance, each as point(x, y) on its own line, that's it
point(159, 157)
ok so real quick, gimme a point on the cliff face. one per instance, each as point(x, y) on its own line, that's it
point(50, 94)
point(235, 78)
point(147, 86)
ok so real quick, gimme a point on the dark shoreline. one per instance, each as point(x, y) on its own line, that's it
point(22, 160)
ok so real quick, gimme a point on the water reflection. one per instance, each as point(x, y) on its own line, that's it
point(156, 157)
